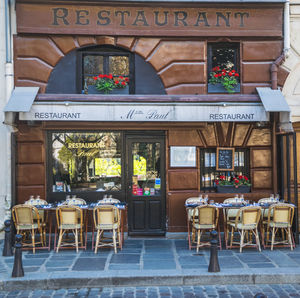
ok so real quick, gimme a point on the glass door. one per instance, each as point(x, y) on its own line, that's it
point(146, 185)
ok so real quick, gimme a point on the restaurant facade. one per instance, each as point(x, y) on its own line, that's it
point(172, 130)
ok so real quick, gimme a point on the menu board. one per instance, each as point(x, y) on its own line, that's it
point(225, 159)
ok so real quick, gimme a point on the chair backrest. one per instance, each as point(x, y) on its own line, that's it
point(68, 215)
point(24, 214)
point(106, 215)
point(205, 215)
point(282, 213)
point(249, 215)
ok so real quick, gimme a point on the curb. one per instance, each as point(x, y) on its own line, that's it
point(87, 280)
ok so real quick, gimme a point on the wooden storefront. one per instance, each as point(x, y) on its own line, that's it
point(171, 49)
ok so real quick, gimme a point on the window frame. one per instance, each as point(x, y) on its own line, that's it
point(213, 171)
point(234, 45)
point(105, 51)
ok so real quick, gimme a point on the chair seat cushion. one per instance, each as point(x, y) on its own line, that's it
point(70, 226)
point(244, 227)
point(200, 227)
point(107, 226)
point(280, 225)
point(27, 227)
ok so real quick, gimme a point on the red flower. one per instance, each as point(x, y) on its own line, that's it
point(110, 76)
point(216, 75)
point(236, 181)
point(217, 182)
point(236, 75)
point(230, 74)
point(121, 78)
point(126, 79)
point(95, 78)
point(246, 178)
point(233, 70)
point(240, 177)
point(123, 83)
point(117, 82)
point(223, 73)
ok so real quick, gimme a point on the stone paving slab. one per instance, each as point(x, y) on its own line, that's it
point(230, 291)
point(150, 262)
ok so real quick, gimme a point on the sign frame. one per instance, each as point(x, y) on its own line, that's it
point(178, 152)
point(220, 149)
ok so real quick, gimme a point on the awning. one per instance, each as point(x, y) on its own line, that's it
point(274, 101)
point(21, 99)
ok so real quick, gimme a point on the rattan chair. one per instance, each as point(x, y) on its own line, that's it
point(107, 219)
point(230, 213)
point(27, 221)
point(42, 214)
point(205, 218)
point(283, 215)
point(246, 223)
point(69, 219)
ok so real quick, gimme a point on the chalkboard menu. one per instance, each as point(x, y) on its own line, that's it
point(225, 159)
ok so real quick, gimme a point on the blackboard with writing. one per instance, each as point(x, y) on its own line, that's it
point(225, 159)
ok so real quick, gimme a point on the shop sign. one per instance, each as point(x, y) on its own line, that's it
point(146, 112)
point(145, 20)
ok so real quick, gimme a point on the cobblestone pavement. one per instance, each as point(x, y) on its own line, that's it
point(281, 291)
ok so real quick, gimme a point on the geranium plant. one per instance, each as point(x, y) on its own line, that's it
point(227, 77)
point(106, 83)
point(234, 181)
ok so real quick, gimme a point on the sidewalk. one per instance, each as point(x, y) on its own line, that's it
point(149, 262)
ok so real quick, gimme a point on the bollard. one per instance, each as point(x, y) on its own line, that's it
point(214, 262)
point(18, 270)
point(7, 249)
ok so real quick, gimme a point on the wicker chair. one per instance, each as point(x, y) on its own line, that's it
point(230, 214)
point(69, 218)
point(42, 214)
point(246, 223)
point(107, 218)
point(283, 215)
point(27, 221)
point(205, 218)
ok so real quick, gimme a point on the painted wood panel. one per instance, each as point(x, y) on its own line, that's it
point(30, 153)
point(184, 138)
point(261, 158)
point(30, 174)
point(261, 179)
point(183, 179)
point(261, 50)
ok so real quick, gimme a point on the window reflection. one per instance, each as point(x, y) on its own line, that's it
point(86, 161)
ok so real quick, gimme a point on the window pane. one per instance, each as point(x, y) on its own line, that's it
point(224, 57)
point(119, 65)
point(86, 161)
point(146, 169)
point(92, 65)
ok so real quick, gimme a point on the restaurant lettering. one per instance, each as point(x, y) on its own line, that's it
point(84, 145)
point(58, 116)
point(231, 116)
point(65, 17)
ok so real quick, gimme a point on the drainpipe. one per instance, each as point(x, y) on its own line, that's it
point(286, 46)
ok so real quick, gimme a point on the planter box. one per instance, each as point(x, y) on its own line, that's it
point(218, 88)
point(232, 189)
point(92, 90)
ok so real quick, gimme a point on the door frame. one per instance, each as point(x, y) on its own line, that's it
point(144, 136)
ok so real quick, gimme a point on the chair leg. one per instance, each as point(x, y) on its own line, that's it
point(257, 239)
point(59, 239)
point(198, 240)
point(290, 238)
point(273, 238)
point(97, 240)
point(242, 240)
point(76, 239)
point(114, 240)
point(33, 241)
point(231, 236)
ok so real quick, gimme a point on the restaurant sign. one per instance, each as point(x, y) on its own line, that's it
point(146, 112)
point(136, 20)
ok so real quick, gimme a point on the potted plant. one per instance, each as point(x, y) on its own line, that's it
point(220, 79)
point(106, 84)
point(238, 184)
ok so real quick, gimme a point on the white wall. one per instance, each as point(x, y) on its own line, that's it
point(5, 131)
point(291, 88)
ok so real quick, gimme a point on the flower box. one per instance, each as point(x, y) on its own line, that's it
point(233, 189)
point(219, 88)
point(92, 90)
